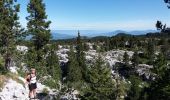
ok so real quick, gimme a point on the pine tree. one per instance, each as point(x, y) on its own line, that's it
point(100, 83)
point(135, 90)
point(86, 47)
point(164, 47)
point(151, 51)
point(159, 89)
point(160, 65)
point(107, 44)
point(80, 56)
point(38, 27)
point(135, 59)
point(10, 29)
point(53, 67)
point(121, 89)
point(126, 59)
point(74, 77)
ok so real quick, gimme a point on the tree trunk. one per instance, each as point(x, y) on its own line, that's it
point(7, 62)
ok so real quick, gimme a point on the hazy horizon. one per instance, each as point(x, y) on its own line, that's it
point(103, 14)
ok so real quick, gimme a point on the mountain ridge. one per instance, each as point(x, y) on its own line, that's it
point(68, 34)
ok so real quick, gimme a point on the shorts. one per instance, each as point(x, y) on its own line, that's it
point(32, 86)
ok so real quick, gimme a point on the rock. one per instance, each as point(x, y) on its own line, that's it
point(13, 91)
point(23, 49)
point(13, 69)
point(16, 91)
point(144, 70)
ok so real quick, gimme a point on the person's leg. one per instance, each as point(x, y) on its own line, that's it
point(30, 91)
point(34, 93)
point(31, 94)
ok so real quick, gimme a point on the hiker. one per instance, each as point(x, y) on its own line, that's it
point(32, 83)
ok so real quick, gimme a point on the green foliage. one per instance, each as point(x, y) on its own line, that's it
point(126, 58)
point(151, 51)
point(86, 47)
point(52, 83)
point(135, 90)
point(80, 57)
point(160, 88)
point(2, 68)
point(10, 29)
point(160, 65)
point(38, 27)
point(121, 89)
point(53, 67)
point(21, 73)
point(107, 45)
point(45, 90)
point(74, 71)
point(100, 85)
point(95, 47)
point(135, 59)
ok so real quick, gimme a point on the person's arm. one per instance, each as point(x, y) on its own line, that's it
point(27, 77)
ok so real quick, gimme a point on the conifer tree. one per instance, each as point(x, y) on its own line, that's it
point(38, 27)
point(126, 58)
point(159, 89)
point(100, 83)
point(135, 90)
point(53, 67)
point(74, 71)
point(80, 56)
point(10, 29)
point(107, 44)
point(160, 65)
point(135, 59)
point(151, 51)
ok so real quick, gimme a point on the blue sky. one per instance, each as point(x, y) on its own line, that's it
point(102, 14)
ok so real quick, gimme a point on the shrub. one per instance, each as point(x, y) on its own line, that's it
point(51, 83)
point(45, 91)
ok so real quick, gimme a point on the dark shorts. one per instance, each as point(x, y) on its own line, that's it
point(32, 86)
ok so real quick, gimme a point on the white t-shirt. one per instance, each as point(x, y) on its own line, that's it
point(32, 79)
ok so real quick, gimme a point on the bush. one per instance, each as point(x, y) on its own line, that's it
point(21, 73)
point(2, 68)
point(3, 71)
point(51, 83)
point(45, 91)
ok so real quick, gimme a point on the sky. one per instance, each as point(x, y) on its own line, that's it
point(102, 14)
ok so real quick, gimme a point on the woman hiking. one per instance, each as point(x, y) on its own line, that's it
point(32, 83)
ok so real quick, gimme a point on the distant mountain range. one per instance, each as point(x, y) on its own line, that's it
point(68, 34)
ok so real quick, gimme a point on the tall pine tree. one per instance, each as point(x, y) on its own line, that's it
point(80, 56)
point(100, 83)
point(53, 66)
point(10, 29)
point(38, 27)
point(74, 77)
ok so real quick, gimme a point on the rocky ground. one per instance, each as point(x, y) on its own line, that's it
point(16, 91)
